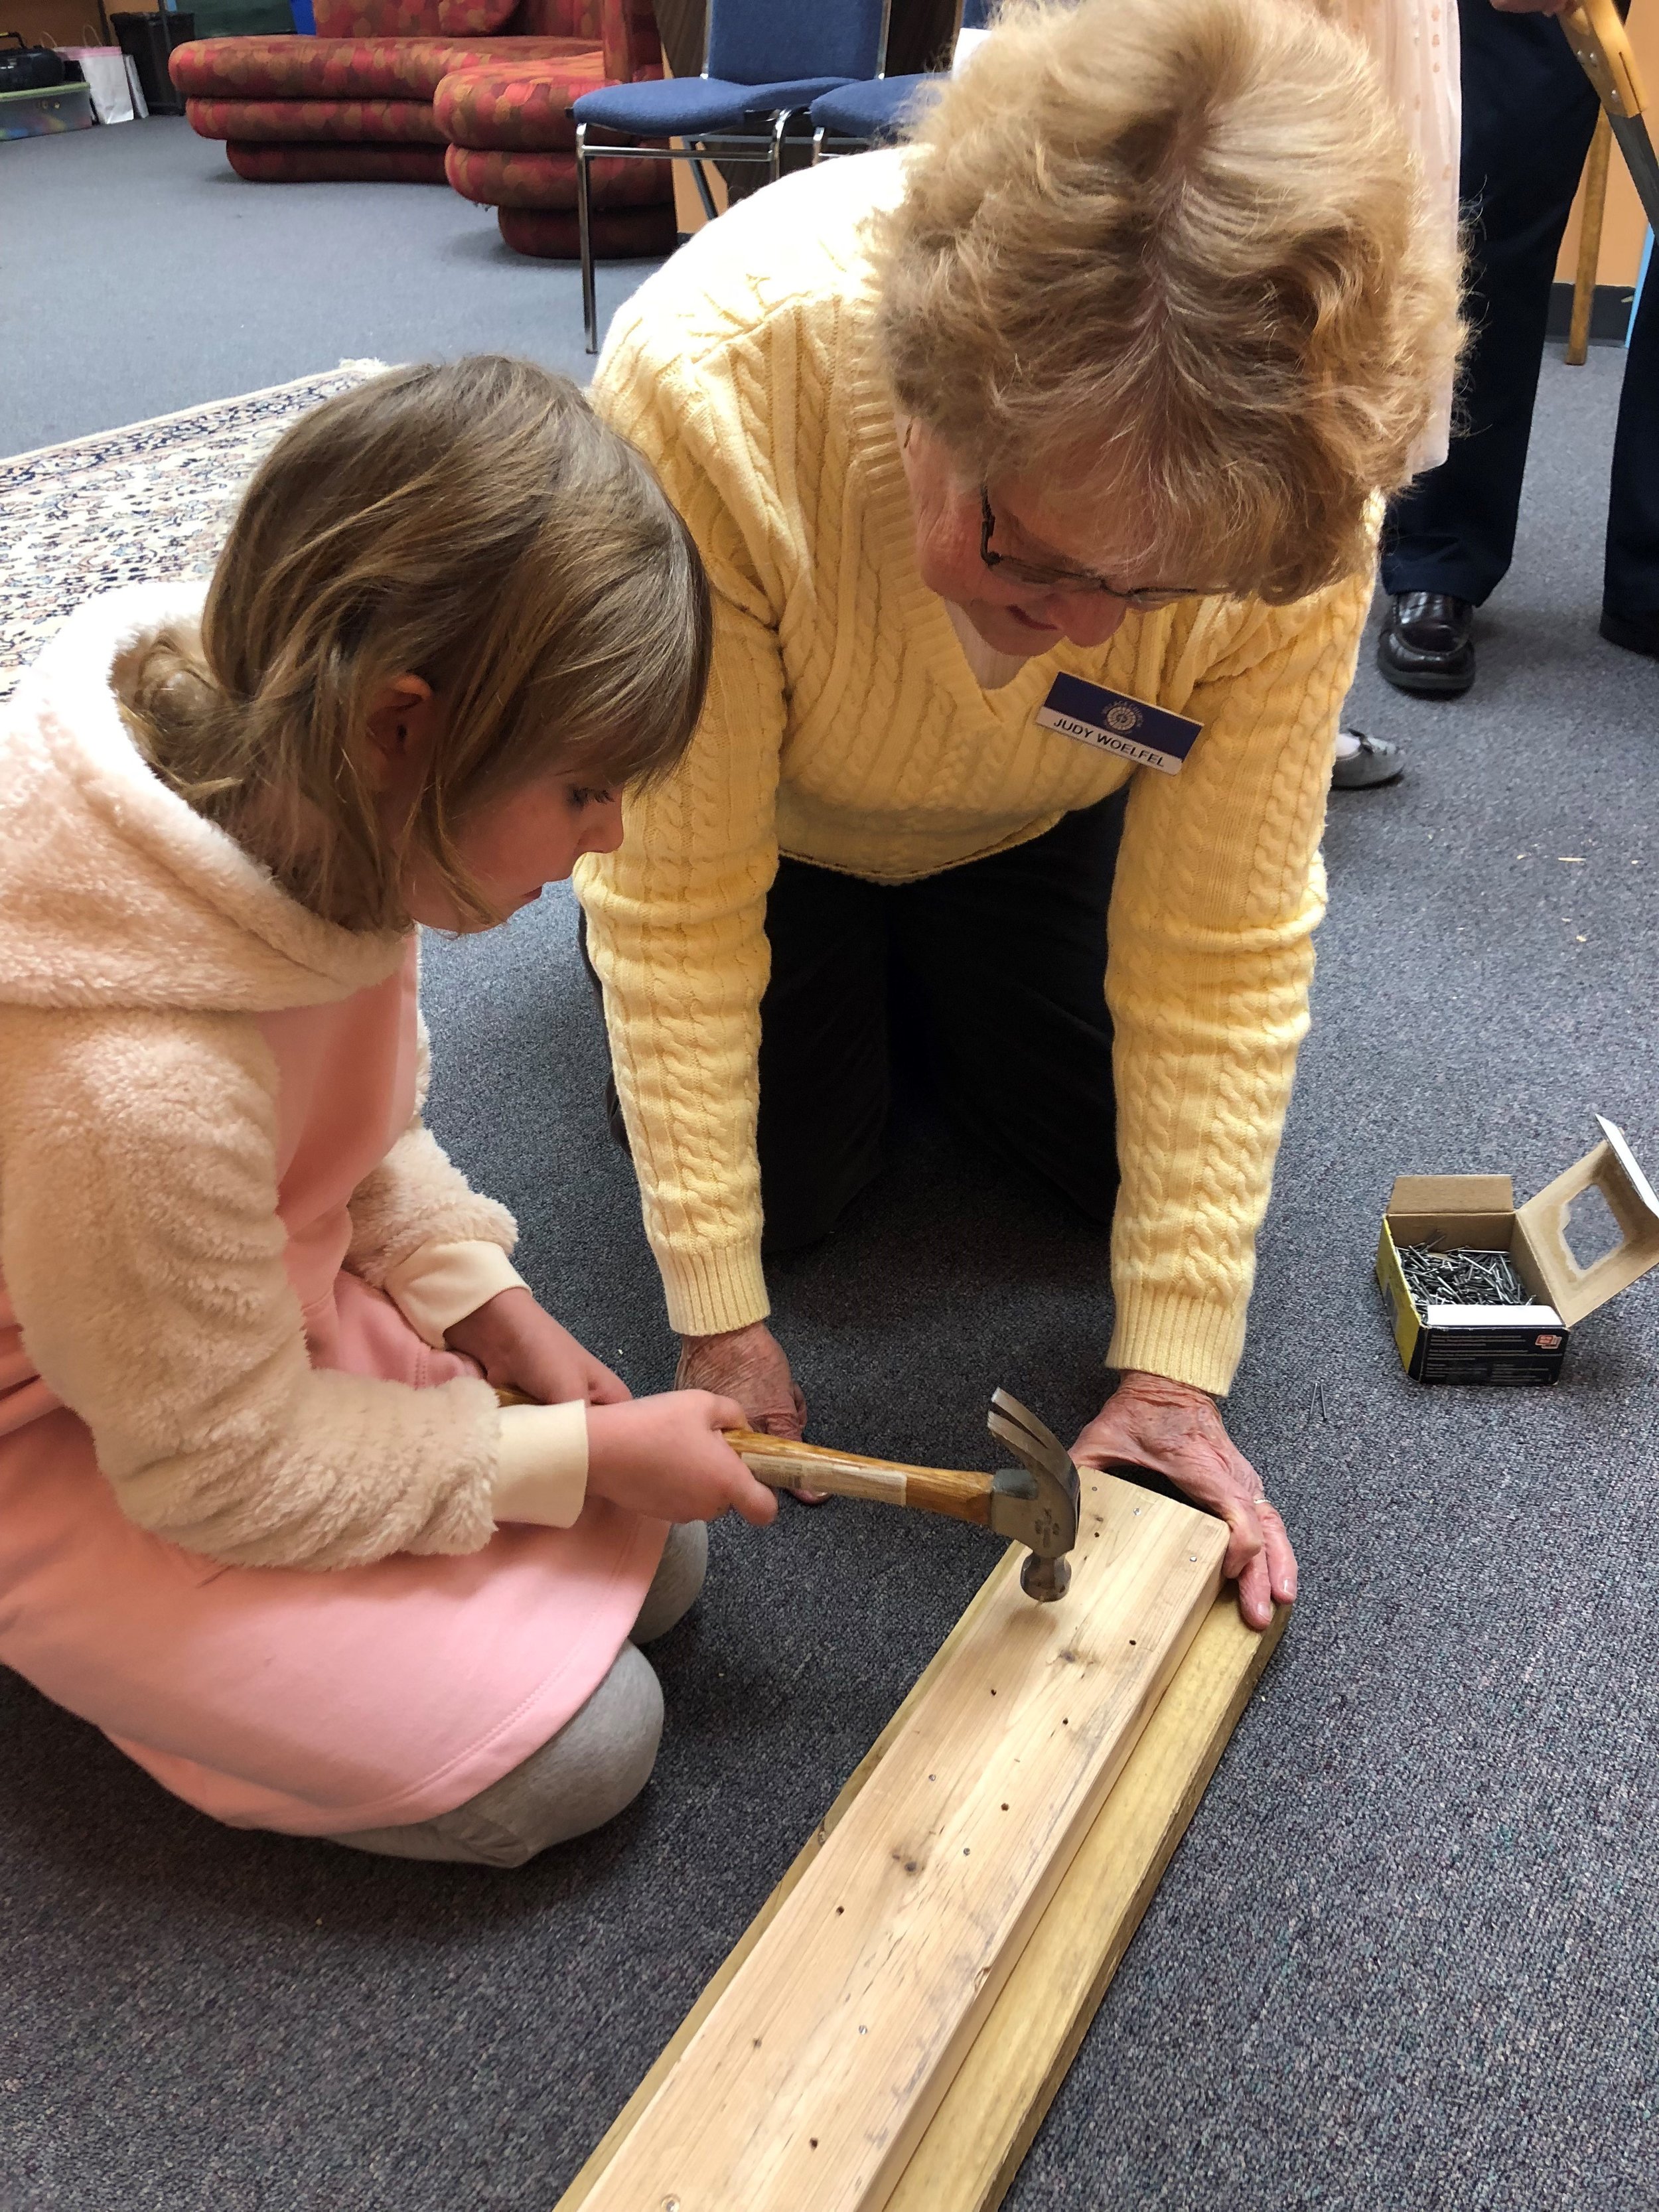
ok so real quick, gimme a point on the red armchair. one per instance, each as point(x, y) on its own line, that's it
point(357, 101)
point(513, 147)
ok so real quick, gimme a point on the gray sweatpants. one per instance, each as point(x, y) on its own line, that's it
point(599, 1762)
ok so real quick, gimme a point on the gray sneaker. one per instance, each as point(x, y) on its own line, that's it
point(1374, 761)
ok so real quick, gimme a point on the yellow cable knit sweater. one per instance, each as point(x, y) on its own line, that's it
point(844, 728)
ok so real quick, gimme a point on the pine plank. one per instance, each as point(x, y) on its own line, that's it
point(810, 2079)
point(992, 2109)
point(575, 2196)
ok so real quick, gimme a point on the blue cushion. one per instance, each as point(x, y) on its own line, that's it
point(878, 110)
point(688, 106)
point(756, 41)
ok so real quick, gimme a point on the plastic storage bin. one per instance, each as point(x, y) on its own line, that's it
point(52, 107)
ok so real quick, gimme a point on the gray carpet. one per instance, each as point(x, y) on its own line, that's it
point(149, 278)
point(1406, 1957)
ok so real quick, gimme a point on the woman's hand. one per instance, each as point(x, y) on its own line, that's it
point(520, 1348)
point(1150, 1421)
point(665, 1456)
point(753, 1367)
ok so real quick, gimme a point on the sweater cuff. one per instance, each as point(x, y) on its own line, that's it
point(713, 1289)
point(439, 1284)
point(1161, 1334)
point(541, 1464)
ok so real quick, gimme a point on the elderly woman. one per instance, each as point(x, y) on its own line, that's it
point(1075, 411)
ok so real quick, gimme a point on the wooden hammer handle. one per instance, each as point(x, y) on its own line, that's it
point(783, 1464)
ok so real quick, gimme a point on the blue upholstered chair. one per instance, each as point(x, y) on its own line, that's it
point(764, 60)
point(876, 112)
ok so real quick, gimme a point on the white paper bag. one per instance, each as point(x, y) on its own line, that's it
point(104, 69)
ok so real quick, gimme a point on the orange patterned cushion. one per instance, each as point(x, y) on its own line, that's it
point(344, 69)
point(548, 180)
point(514, 105)
point(357, 122)
point(567, 19)
point(378, 19)
point(414, 19)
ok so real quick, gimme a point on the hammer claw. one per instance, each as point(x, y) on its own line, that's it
point(1038, 1505)
point(1017, 1426)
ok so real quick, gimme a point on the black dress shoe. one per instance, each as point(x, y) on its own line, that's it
point(1428, 644)
point(1636, 633)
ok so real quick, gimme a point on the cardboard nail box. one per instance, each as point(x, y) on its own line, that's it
point(1517, 1344)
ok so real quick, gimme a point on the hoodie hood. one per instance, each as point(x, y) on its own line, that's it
point(113, 890)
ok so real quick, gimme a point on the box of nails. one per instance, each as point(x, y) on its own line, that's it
point(1483, 1291)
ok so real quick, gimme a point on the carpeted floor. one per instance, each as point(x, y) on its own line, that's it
point(148, 275)
point(1408, 1954)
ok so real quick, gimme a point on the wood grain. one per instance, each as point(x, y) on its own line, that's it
point(806, 2084)
point(576, 2198)
point(782, 1461)
point(994, 2106)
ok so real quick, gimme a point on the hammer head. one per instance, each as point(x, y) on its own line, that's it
point(1036, 1504)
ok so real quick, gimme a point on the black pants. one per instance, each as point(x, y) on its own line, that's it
point(1528, 111)
point(987, 980)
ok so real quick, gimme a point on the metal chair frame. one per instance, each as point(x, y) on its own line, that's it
point(766, 150)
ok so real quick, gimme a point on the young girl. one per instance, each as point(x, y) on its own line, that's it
point(262, 1517)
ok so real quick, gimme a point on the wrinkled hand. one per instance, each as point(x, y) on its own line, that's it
point(750, 1365)
point(665, 1456)
point(520, 1348)
point(1150, 1421)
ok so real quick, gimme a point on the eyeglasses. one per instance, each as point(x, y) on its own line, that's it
point(1145, 598)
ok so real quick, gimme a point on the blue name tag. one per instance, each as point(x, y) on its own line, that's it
point(1150, 736)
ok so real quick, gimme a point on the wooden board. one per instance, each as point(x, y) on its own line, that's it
point(808, 2081)
point(1068, 1965)
point(994, 2108)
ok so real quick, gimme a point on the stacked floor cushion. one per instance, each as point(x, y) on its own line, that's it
point(513, 147)
point(356, 101)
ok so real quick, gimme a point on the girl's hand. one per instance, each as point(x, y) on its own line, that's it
point(1150, 1421)
point(665, 1456)
point(520, 1348)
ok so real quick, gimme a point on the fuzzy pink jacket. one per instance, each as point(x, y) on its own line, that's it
point(144, 956)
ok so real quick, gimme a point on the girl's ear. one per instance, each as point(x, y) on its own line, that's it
point(402, 727)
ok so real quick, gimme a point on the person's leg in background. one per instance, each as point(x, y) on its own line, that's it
point(1630, 603)
point(825, 1080)
point(597, 1764)
point(1528, 112)
point(1006, 961)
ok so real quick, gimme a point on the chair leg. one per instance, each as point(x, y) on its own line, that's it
point(818, 145)
point(700, 176)
point(585, 236)
point(780, 125)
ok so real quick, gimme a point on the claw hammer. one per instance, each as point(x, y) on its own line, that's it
point(1035, 1503)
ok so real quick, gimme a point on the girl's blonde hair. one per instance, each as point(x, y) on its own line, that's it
point(1177, 253)
point(474, 524)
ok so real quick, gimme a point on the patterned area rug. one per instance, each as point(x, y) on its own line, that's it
point(150, 500)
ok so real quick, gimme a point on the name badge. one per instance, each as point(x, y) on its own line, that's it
point(1150, 737)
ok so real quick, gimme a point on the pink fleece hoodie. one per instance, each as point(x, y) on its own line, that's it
point(248, 1503)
